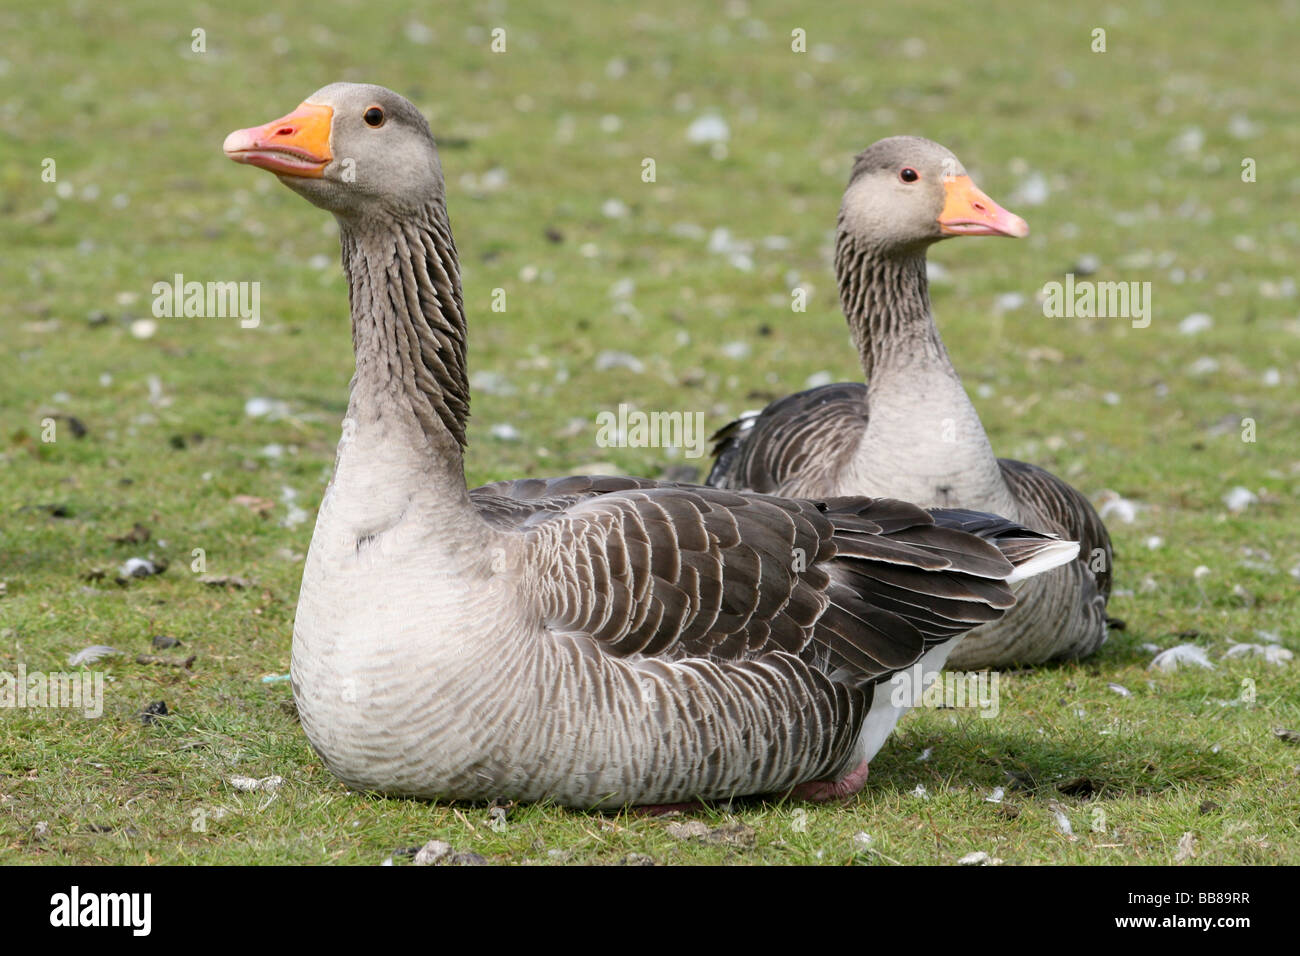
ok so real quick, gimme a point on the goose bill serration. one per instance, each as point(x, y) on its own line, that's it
point(910, 431)
point(596, 641)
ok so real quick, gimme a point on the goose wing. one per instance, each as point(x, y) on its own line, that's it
point(1068, 513)
point(795, 440)
point(507, 505)
point(857, 588)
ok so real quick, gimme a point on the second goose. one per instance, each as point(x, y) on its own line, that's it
point(911, 431)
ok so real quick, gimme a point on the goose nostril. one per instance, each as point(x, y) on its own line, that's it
point(284, 131)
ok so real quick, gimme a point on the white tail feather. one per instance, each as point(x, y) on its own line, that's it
point(1053, 555)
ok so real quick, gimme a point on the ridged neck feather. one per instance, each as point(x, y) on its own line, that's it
point(408, 321)
point(886, 298)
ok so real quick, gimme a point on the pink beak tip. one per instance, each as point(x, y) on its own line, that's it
point(239, 140)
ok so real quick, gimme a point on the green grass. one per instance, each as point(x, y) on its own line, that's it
point(113, 94)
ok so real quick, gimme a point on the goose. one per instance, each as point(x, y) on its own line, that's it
point(592, 641)
point(911, 431)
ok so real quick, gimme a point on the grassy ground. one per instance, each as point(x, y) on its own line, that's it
point(1139, 148)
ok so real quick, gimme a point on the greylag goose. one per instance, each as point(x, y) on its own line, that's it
point(911, 432)
point(597, 642)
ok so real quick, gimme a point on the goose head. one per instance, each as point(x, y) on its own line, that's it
point(906, 192)
point(357, 150)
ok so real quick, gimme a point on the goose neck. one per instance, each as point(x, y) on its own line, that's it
point(408, 327)
point(404, 437)
point(886, 299)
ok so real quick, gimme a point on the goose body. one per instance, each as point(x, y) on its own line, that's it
point(592, 641)
point(911, 431)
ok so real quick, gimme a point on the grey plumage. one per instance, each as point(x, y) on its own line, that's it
point(911, 431)
point(810, 436)
point(593, 641)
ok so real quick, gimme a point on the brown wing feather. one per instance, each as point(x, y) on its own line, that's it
point(792, 442)
point(1068, 513)
point(509, 504)
point(854, 587)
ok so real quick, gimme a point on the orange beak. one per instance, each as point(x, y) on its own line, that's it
point(293, 145)
point(968, 212)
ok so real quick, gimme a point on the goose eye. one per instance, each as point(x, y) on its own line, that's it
point(909, 175)
point(374, 116)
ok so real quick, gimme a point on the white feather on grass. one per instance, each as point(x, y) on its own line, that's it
point(92, 654)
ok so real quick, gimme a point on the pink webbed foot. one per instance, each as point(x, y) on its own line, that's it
point(825, 791)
